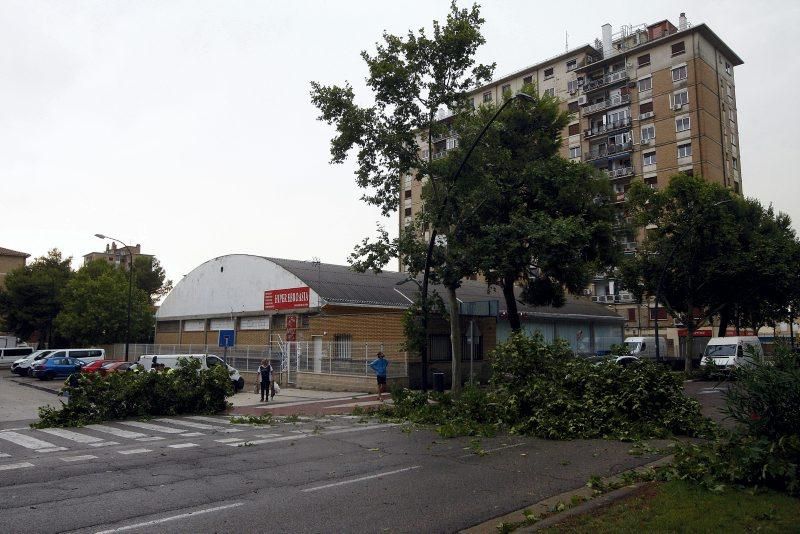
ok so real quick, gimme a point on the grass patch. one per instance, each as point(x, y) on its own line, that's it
point(679, 506)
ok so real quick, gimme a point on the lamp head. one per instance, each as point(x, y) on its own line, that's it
point(101, 236)
point(525, 96)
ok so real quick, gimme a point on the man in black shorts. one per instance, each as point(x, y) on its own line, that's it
point(379, 365)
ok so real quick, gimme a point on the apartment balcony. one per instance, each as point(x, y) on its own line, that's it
point(621, 172)
point(622, 298)
point(608, 103)
point(608, 79)
point(608, 152)
point(624, 124)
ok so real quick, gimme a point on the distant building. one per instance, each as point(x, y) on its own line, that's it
point(10, 260)
point(119, 257)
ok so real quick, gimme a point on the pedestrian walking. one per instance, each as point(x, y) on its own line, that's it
point(265, 376)
point(379, 365)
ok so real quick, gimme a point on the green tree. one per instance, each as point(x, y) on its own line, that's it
point(33, 296)
point(688, 248)
point(412, 79)
point(95, 307)
point(521, 214)
point(150, 277)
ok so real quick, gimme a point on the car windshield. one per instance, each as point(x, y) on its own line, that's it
point(107, 365)
point(720, 351)
point(632, 346)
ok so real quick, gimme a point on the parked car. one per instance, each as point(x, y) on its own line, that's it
point(93, 367)
point(731, 352)
point(115, 366)
point(85, 355)
point(8, 355)
point(22, 366)
point(56, 367)
point(207, 361)
point(645, 347)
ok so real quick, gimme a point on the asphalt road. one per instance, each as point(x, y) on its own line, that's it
point(334, 474)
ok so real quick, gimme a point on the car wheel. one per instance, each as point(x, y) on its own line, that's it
point(29, 372)
point(49, 375)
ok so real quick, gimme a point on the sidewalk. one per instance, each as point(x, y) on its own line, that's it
point(292, 401)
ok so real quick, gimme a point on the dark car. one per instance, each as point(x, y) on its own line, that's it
point(114, 366)
point(98, 366)
point(56, 367)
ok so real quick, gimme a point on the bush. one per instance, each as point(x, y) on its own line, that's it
point(186, 389)
point(764, 448)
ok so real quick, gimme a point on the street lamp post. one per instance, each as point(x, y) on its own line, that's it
point(423, 353)
point(130, 289)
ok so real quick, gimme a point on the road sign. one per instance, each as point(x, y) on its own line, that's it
point(227, 338)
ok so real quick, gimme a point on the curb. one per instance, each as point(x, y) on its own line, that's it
point(34, 386)
point(544, 507)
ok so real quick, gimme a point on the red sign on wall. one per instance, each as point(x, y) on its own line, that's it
point(286, 299)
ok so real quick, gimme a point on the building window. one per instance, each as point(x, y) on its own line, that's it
point(728, 68)
point(439, 349)
point(729, 89)
point(574, 129)
point(681, 98)
point(644, 60)
point(678, 48)
point(407, 212)
point(527, 80)
point(342, 347)
point(679, 73)
point(572, 107)
point(278, 322)
point(648, 133)
point(575, 152)
point(505, 89)
point(407, 194)
point(550, 92)
point(646, 107)
point(631, 314)
point(682, 124)
point(645, 84)
point(662, 314)
point(572, 64)
point(652, 182)
point(649, 158)
point(736, 164)
point(303, 321)
point(572, 86)
point(548, 73)
point(684, 151)
point(487, 96)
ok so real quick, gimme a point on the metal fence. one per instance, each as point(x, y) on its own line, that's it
point(324, 357)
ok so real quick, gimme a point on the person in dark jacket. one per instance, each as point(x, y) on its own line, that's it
point(379, 365)
point(265, 376)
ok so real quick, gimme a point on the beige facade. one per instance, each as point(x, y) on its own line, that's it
point(10, 260)
point(117, 256)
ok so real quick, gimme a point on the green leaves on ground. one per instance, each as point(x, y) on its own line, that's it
point(184, 390)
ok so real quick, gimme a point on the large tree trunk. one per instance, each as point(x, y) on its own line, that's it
point(455, 339)
point(511, 304)
point(724, 320)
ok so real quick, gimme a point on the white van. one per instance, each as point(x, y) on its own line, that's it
point(645, 347)
point(207, 361)
point(10, 355)
point(733, 351)
point(24, 366)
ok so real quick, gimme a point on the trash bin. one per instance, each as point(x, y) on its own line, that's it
point(438, 382)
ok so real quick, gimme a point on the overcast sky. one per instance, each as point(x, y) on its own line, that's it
point(186, 126)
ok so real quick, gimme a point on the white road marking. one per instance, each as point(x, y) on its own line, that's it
point(78, 458)
point(230, 440)
point(4, 455)
point(358, 429)
point(28, 442)
point(360, 479)
point(183, 445)
point(493, 450)
point(267, 435)
point(192, 434)
point(151, 438)
point(52, 449)
point(15, 466)
point(135, 451)
point(120, 433)
point(171, 518)
point(14, 429)
point(218, 420)
point(70, 435)
point(104, 444)
point(201, 426)
point(154, 428)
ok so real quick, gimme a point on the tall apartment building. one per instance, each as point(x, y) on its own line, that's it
point(649, 101)
point(118, 257)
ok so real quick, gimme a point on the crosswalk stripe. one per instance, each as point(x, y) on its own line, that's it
point(228, 440)
point(78, 458)
point(4, 455)
point(272, 440)
point(120, 433)
point(104, 444)
point(151, 438)
point(154, 428)
point(183, 445)
point(201, 426)
point(192, 434)
point(218, 420)
point(70, 435)
point(267, 435)
point(135, 451)
point(28, 442)
point(52, 449)
point(15, 466)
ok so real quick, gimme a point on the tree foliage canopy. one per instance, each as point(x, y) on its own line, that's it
point(150, 277)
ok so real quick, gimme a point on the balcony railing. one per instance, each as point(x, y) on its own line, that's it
point(611, 150)
point(607, 103)
point(607, 128)
point(613, 299)
point(608, 79)
point(621, 172)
